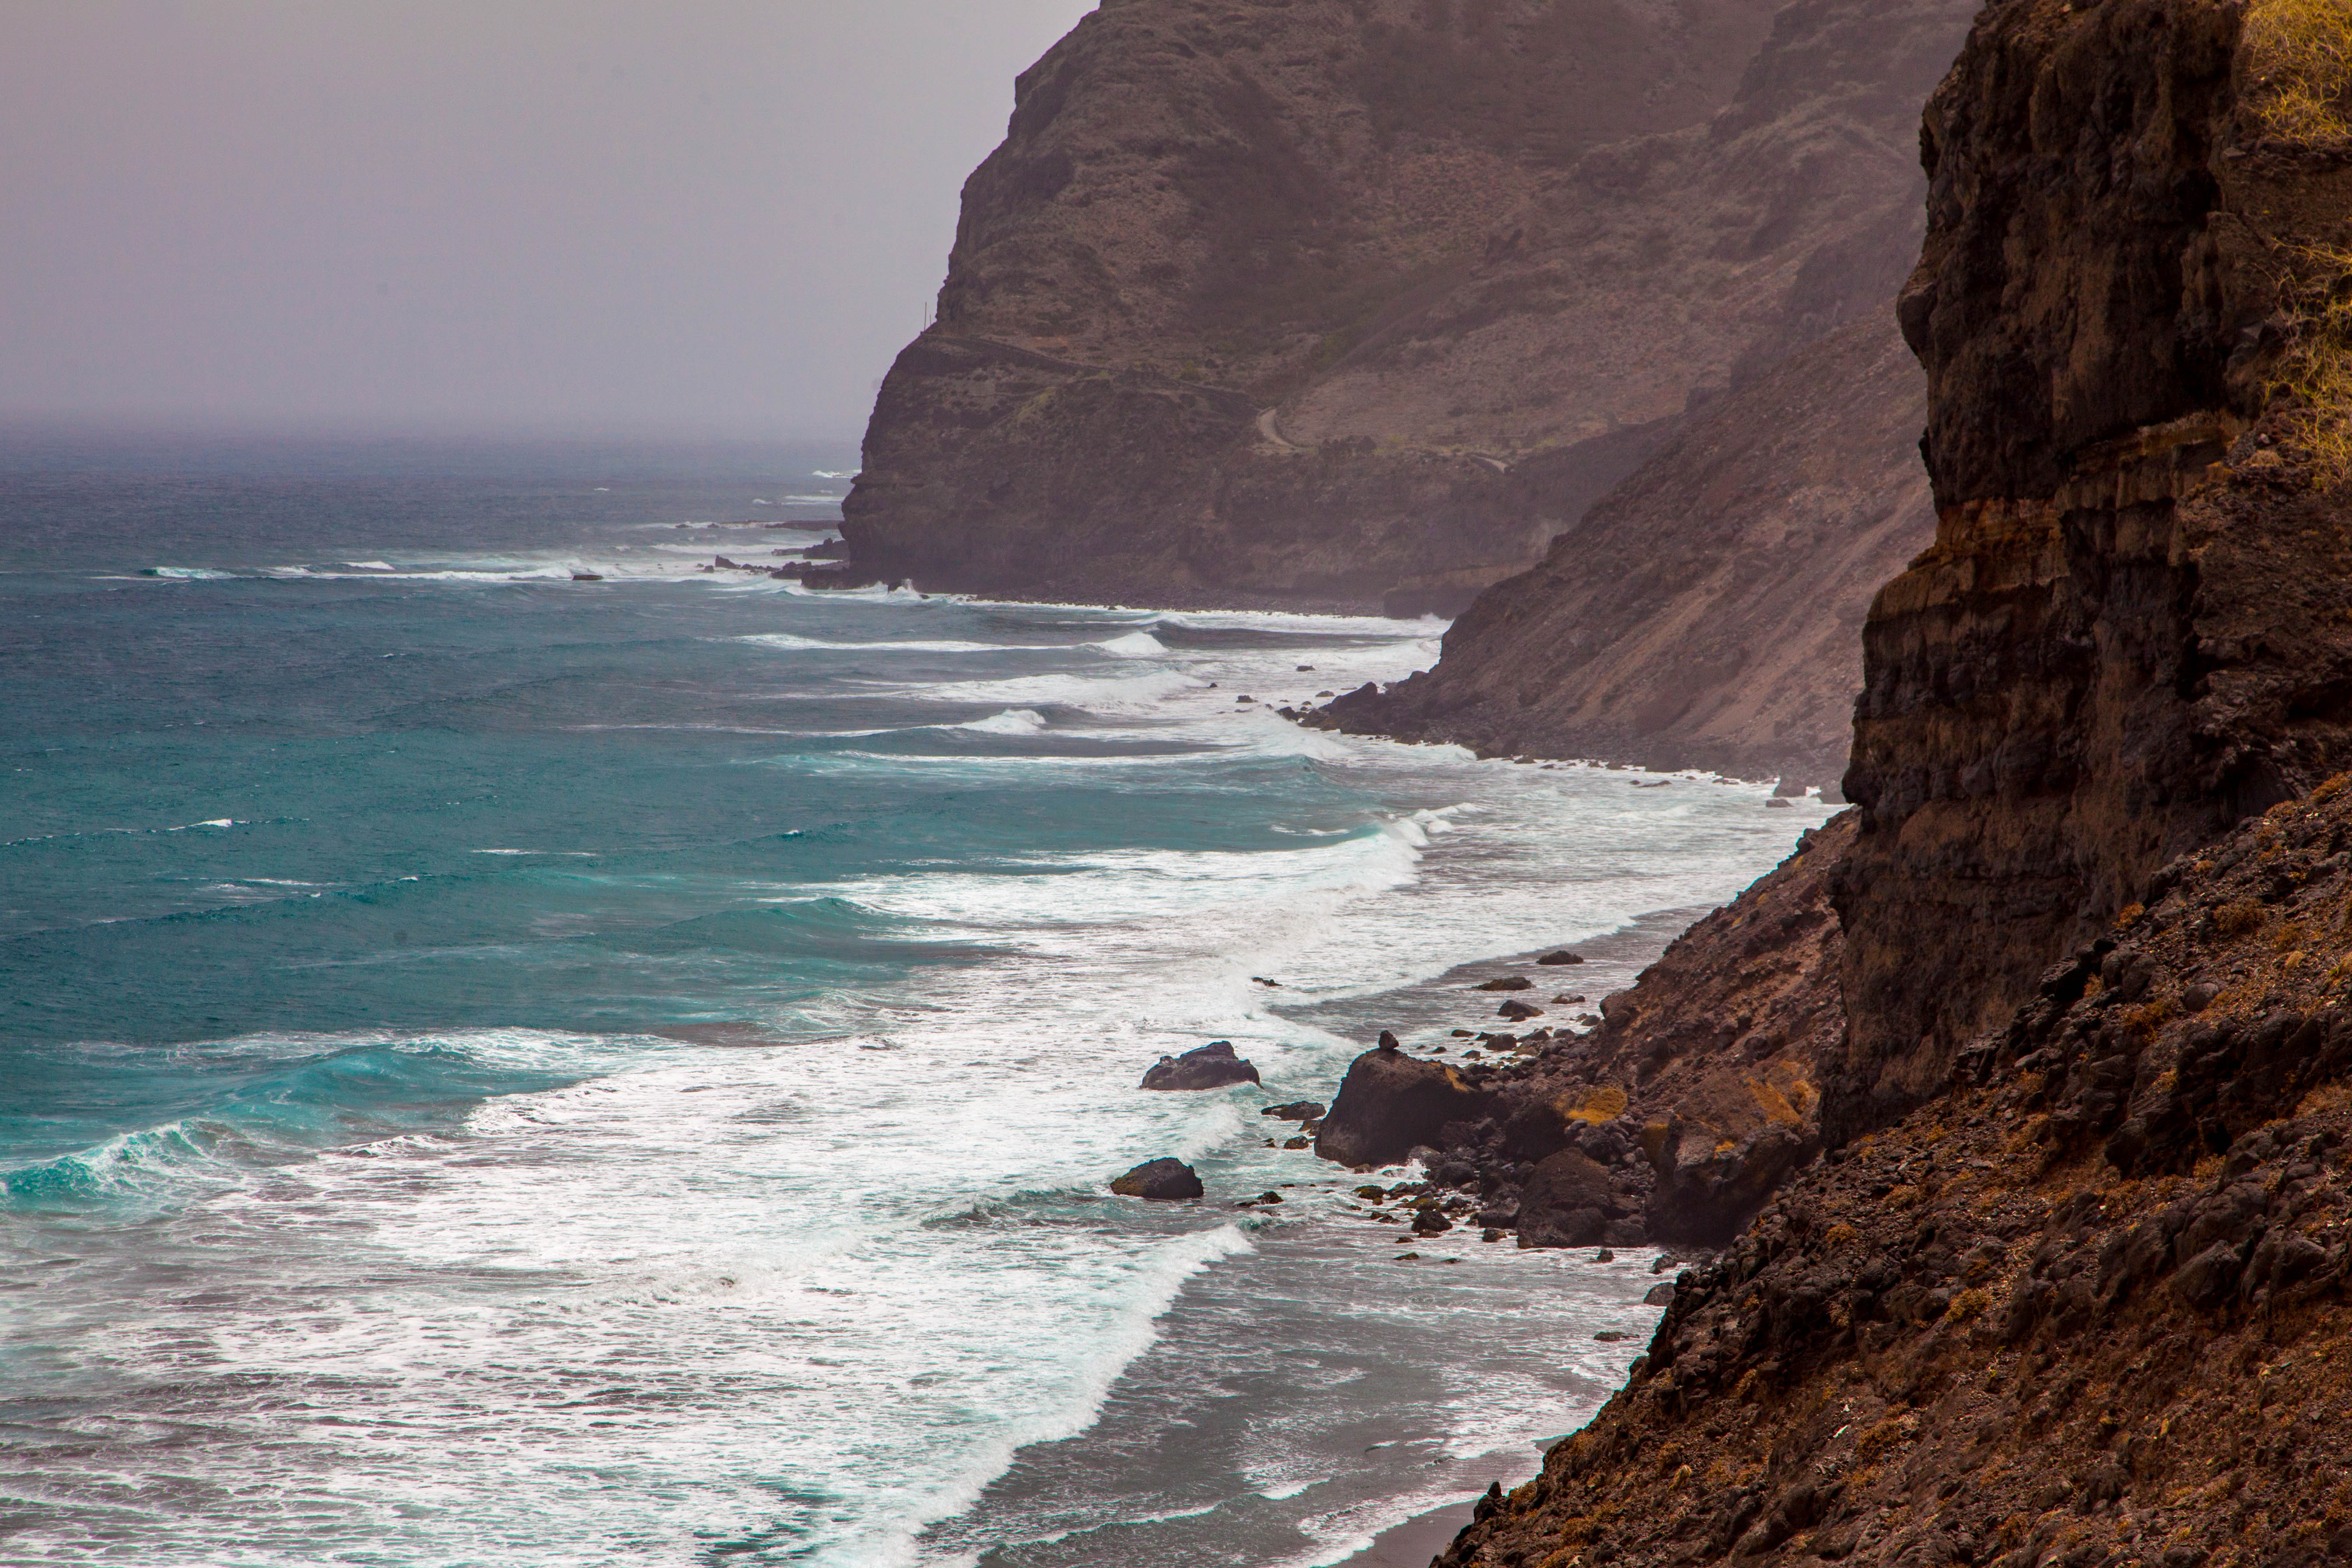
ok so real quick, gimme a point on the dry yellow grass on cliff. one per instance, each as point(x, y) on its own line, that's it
point(2298, 56)
point(2315, 369)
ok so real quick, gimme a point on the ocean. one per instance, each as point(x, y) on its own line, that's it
point(504, 1067)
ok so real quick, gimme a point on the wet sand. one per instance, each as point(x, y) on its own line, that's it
point(1412, 1543)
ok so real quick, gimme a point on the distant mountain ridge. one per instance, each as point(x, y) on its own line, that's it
point(1352, 302)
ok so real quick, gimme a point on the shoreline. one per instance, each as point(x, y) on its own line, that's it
point(1414, 1543)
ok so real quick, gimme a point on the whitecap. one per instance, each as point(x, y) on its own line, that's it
point(1012, 721)
point(1134, 645)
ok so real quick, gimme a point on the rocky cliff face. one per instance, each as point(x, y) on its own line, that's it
point(1326, 302)
point(2070, 1285)
point(2130, 630)
point(2090, 1308)
point(1707, 612)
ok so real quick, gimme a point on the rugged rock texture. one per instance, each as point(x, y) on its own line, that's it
point(2070, 1286)
point(1390, 1103)
point(1673, 1121)
point(2131, 629)
point(1213, 1066)
point(2090, 1308)
point(1325, 302)
point(1708, 612)
point(1164, 1180)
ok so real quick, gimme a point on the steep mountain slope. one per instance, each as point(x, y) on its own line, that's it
point(1707, 612)
point(2091, 1310)
point(2070, 1285)
point(1320, 302)
point(2132, 628)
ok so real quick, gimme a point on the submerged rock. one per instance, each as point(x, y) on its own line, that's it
point(1213, 1066)
point(1297, 1110)
point(1164, 1180)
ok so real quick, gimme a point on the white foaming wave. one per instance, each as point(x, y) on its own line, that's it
point(1012, 721)
point(832, 473)
point(150, 1163)
point(1379, 626)
point(1103, 695)
point(1135, 645)
point(369, 566)
point(188, 574)
point(795, 642)
point(797, 1306)
point(476, 576)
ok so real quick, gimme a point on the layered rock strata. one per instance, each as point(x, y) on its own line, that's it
point(2070, 1284)
point(1342, 302)
point(2130, 629)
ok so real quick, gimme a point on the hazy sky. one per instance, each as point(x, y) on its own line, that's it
point(717, 216)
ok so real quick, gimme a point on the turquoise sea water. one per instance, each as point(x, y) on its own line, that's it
point(498, 1069)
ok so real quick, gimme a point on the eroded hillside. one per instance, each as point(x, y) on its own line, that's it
point(1324, 303)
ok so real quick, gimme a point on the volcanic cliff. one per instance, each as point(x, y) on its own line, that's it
point(2068, 1282)
point(1346, 303)
point(1708, 612)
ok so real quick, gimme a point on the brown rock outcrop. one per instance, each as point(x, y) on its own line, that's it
point(2092, 1307)
point(2070, 1285)
point(1316, 302)
point(1573, 1200)
point(2130, 631)
point(1213, 1066)
point(1677, 1118)
point(1390, 1104)
point(1708, 612)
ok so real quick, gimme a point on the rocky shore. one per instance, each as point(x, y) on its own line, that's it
point(2067, 1281)
point(1670, 1120)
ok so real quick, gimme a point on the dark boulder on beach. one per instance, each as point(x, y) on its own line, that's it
point(1164, 1180)
point(1573, 1200)
point(1213, 1066)
point(1509, 982)
point(1391, 1104)
point(1563, 956)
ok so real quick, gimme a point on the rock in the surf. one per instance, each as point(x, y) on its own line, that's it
point(1213, 1066)
point(1297, 1110)
point(1390, 1103)
point(1562, 956)
point(1509, 982)
point(1164, 1180)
